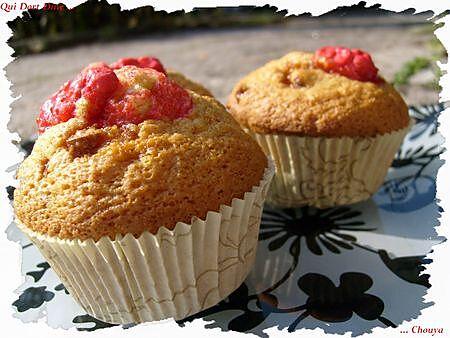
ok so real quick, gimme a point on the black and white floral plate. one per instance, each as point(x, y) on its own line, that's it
point(342, 269)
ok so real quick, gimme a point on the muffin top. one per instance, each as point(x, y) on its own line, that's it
point(134, 155)
point(333, 93)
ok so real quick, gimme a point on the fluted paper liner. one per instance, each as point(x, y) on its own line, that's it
point(174, 273)
point(325, 172)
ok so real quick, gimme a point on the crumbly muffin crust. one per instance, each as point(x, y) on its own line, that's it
point(291, 96)
point(83, 182)
point(186, 83)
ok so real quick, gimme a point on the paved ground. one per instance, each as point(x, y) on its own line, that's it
point(218, 58)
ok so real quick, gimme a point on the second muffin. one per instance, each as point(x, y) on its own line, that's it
point(330, 122)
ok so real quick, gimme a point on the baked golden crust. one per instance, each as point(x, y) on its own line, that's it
point(291, 96)
point(186, 83)
point(85, 182)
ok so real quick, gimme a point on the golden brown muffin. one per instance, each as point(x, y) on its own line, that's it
point(84, 181)
point(186, 83)
point(292, 96)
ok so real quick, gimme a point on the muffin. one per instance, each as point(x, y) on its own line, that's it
point(329, 121)
point(144, 197)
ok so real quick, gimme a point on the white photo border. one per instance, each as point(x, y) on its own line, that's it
point(435, 316)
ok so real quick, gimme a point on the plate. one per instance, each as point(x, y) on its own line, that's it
point(343, 269)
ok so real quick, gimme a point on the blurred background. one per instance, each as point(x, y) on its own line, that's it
point(213, 46)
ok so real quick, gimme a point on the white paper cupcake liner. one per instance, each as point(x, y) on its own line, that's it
point(325, 172)
point(174, 273)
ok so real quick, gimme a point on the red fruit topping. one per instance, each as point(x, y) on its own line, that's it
point(141, 62)
point(105, 97)
point(352, 63)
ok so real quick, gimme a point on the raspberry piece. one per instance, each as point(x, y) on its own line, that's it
point(141, 62)
point(100, 84)
point(352, 63)
point(96, 83)
point(170, 100)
